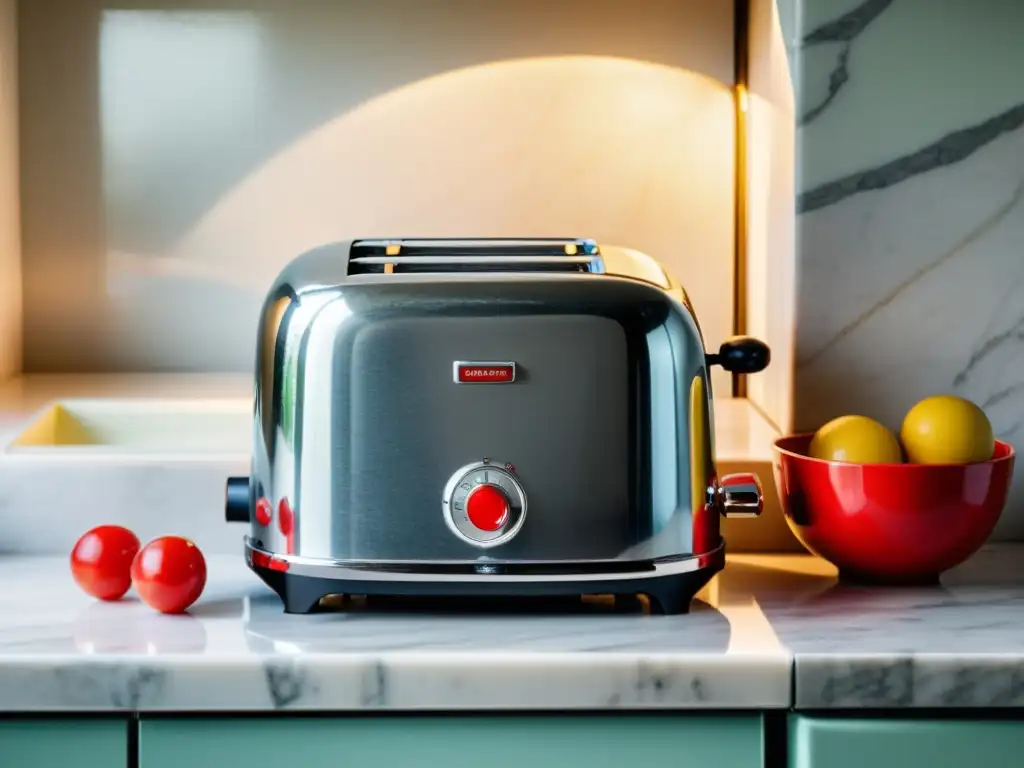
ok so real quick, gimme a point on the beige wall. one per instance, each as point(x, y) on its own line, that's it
point(10, 244)
point(173, 160)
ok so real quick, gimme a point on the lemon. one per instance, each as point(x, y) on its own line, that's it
point(856, 439)
point(945, 429)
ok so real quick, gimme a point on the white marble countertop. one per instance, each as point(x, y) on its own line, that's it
point(772, 631)
point(958, 645)
point(62, 651)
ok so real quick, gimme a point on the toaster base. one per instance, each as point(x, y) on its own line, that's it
point(670, 586)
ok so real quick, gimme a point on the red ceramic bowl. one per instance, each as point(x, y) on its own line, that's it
point(890, 523)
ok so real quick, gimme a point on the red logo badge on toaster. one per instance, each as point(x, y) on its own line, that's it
point(484, 373)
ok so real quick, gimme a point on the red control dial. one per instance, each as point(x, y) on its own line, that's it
point(487, 507)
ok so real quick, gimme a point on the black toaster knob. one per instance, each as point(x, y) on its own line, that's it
point(742, 354)
point(236, 500)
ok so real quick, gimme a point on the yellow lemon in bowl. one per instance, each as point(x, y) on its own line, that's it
point(946, 429)
point(856, 439)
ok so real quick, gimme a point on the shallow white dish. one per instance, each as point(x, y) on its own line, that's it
point(157, 466)
point(142, 427)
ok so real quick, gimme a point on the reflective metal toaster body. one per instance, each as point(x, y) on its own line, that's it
point(485, 417)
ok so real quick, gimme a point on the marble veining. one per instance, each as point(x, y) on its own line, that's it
point(951, 148)
point(991, 221)
point(843, 30)
point(935, 681)
point(285, 682)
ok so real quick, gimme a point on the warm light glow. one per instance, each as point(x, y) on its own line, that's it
point(623, 151)
point(771, 192)
point(742, 98)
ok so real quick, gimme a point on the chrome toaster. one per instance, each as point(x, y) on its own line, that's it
point(485, 417)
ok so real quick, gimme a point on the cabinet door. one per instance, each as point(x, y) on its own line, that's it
point(536, 741)
point(855, 743)
point(63, 743)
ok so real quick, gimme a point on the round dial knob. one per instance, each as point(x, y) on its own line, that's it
point(487, 507)
point(484, 503)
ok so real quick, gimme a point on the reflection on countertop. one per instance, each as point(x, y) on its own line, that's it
point(766, 622)
point(484, 626)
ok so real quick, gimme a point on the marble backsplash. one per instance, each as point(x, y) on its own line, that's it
point(910, 210)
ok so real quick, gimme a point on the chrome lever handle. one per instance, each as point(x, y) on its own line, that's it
point(740, 495)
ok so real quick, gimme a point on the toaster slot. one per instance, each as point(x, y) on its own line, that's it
point(474, 256)
point(381, 265)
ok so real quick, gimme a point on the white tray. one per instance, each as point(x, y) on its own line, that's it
point(157, 466)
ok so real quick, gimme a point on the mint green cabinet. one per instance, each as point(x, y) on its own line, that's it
point(63, 743)
point(898, 743)
point(499, 741)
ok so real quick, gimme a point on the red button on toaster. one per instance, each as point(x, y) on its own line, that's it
point(487, 507)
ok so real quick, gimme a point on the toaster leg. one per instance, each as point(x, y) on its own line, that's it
point(299, 594)
point(673, 595)
point(302, 594)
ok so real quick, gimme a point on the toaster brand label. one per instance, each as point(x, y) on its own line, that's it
point(484, 373)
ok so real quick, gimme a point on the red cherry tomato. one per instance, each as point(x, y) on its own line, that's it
point(169, 574)
point(101, 561)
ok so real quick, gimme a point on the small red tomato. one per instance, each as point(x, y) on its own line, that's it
point(101, 561)
point(169, 574)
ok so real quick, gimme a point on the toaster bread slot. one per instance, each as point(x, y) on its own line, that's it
point(473, 256)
